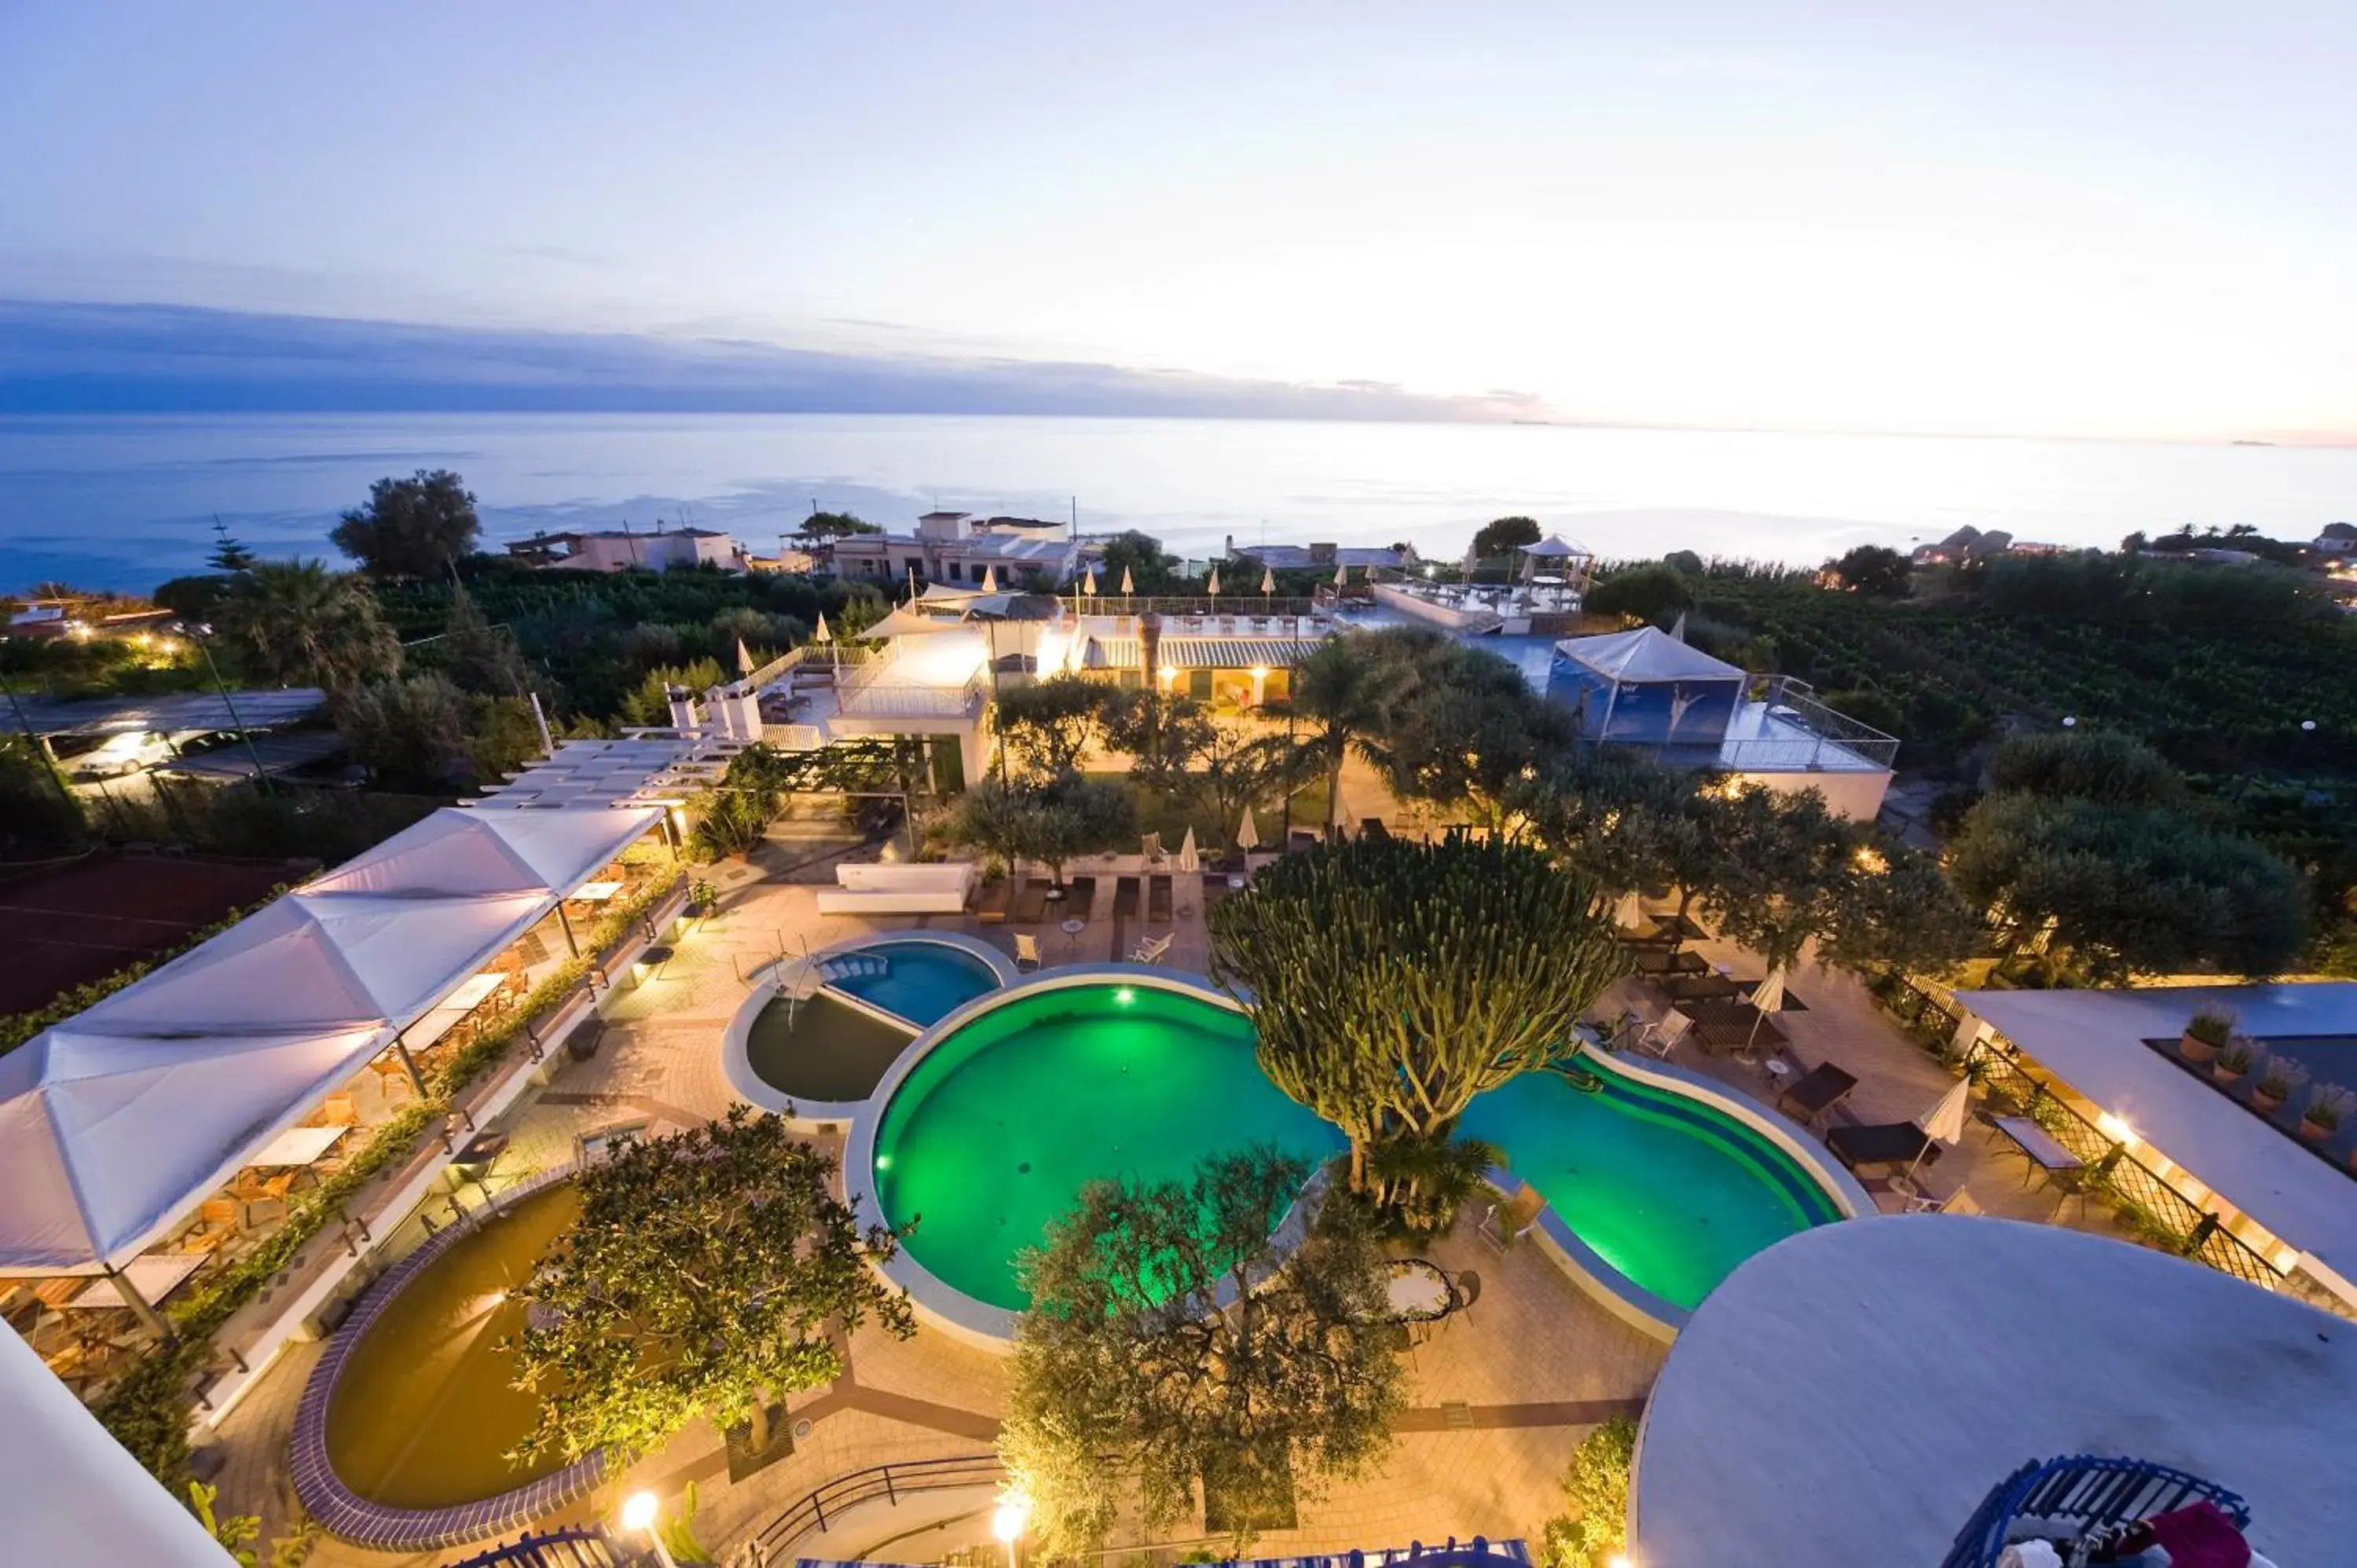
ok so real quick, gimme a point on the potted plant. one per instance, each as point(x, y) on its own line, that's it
point(2237, 1057)
point(2278, 1081)
point(2205, 1033)
point(2327, 1106)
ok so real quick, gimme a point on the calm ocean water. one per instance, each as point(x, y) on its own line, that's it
point(123, 503)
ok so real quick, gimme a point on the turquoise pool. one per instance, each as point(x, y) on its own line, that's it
point(922, 982)
point(993, 1132)
point(1665, 1188)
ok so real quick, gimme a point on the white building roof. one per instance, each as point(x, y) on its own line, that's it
point(1648, 653)
point(2093, 1041)
point(1556, 547)
point(1849, 1395)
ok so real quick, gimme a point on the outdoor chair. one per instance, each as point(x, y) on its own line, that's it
point(1469, 1290)
point(1027, 950)
point(1150, 848)
point(1815, 1092)
point(1957, 1202)
point(1660, 1039)
point(1152, 950)
point(1884, 1143)
point(1510, 1219)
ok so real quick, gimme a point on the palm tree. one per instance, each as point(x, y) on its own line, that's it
point(300, 624)
point(1346, 695)
point(1423, 1179)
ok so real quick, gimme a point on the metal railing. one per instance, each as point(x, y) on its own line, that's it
point(2078, 1493)
point(2190, 1230)
point(891, 1482)
point(590, 1548)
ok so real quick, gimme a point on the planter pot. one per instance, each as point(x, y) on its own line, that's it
point(2265, 1104)
point(2196, 1050)
point(2314, 1132)
point(2229, 1077)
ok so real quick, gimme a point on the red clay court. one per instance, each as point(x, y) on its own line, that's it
point(65, 924)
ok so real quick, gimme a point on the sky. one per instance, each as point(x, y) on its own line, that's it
point(2097, 218)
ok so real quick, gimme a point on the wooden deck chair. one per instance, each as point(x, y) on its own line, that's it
point(1027, 950)
point(1660, 1039)
point(1153, 949)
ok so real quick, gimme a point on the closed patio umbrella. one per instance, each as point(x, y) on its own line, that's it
point(822, 635)
point(1267, 583)
point(1766, 998)
point(744, 658)
point(1247, 832)
point(1190, 858)
point(1213, 587)
point(1089, 582)
point(1342, 576)
point(1129, 584)
point(990, 579)
point(1628, 910)
point(1944, 1123)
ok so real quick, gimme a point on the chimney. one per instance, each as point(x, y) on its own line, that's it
point(683, 708)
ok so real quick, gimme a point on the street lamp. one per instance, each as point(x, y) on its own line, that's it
point(638, 1510)
point(197, 634)
point(1007, 1521)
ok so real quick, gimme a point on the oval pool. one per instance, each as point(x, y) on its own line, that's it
point(993, 1132)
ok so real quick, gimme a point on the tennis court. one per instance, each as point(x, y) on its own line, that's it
point(65, 925)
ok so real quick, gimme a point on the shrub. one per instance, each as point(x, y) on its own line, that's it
point(1597, 1490)
point(2211, 1028)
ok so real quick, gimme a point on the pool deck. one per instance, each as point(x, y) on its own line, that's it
point(1500, 1397)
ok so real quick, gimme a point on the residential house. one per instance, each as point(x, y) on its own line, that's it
point(963, 549)
point(615, 550)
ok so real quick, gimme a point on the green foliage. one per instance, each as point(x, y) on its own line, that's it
point(16, 1028)
point(1050, 822)
point(1391, 981)
point(478, 656)
point(412, 527)
point(1342, 699)
point(228, 554)
point(2103, 766)
point(678, 1532)
point(299, 624)
point(234, 1534)
point(1139, 554)
point(38, 812)
point(1505, 534)
point(702, 1279)
point(1874, 569)
point(1420, 1182)
point(1648, 591)
point(733, 817)
point(1796, 873)
point(1598, 1492)
point(2130, 891)
point(1050, 725)
point(1163, 732)
point(196, 598)
point(1126, 1376)
point(411, 734)
point(821, 525)
point(1461, 728)
point(648, 703)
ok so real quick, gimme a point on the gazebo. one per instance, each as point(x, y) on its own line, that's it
point(1645, 687)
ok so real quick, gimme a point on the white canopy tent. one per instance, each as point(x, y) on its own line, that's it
point(105, 1139)
point(114, 1124)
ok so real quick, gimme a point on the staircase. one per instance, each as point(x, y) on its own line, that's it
point(852, 966)
point(2062, 1499)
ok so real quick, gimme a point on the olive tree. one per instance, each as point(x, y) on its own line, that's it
point(1167, 1343)
point(708, 1271)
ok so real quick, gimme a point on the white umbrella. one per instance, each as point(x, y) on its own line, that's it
point(1944, 1123)
point(823, 635)
point(1629, 912)
point(1190, 858)
point(1248, 831)
point(1767, 997)
point(1089, 583)
point(744, 658)
point(1214, 586)
point(1342, 576)
point(1127, 585)
point(1267, 583)
point(990, 579)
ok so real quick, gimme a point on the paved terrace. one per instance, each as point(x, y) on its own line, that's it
point(1499, 1398)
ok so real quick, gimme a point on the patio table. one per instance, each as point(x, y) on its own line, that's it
point(594, 892)
point(297, 1146)
point(2038, 1146)
point(154, 1275)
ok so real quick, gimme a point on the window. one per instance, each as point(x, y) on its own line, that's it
point(956, 573)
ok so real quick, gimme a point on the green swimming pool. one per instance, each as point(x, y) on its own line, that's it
point(1665, 1188)
point(993, 1132)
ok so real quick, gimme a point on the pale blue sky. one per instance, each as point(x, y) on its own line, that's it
point(2093, 218)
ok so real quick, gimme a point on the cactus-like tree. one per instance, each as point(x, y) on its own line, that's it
point(1391, 981)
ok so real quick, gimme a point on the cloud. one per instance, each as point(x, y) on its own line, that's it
point(67, 358)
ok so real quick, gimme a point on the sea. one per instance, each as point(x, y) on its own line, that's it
point(123, 503)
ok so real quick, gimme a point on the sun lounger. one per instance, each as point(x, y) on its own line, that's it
point(1658, 1039)
point(1886, 1143)
point(1080, 898)
point(1126, 898)
point(1027, 950)
point(1031, 903)
point(1510, 1219)
point(1158, 900)
point(1153, 948)
point(996, 896)
point(1815, 1092)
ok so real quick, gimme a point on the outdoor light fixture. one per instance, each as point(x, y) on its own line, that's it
point(1007, 1521)
point(1169, 672)
point(1620, 1560)
point(638, 1511)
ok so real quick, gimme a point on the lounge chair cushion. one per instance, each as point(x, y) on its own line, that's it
point(1884, 1143)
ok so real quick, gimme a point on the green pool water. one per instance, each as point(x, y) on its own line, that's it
point(993, 1132)
point(996, 1130)
point(423, 1413)
point(1669, 1191)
